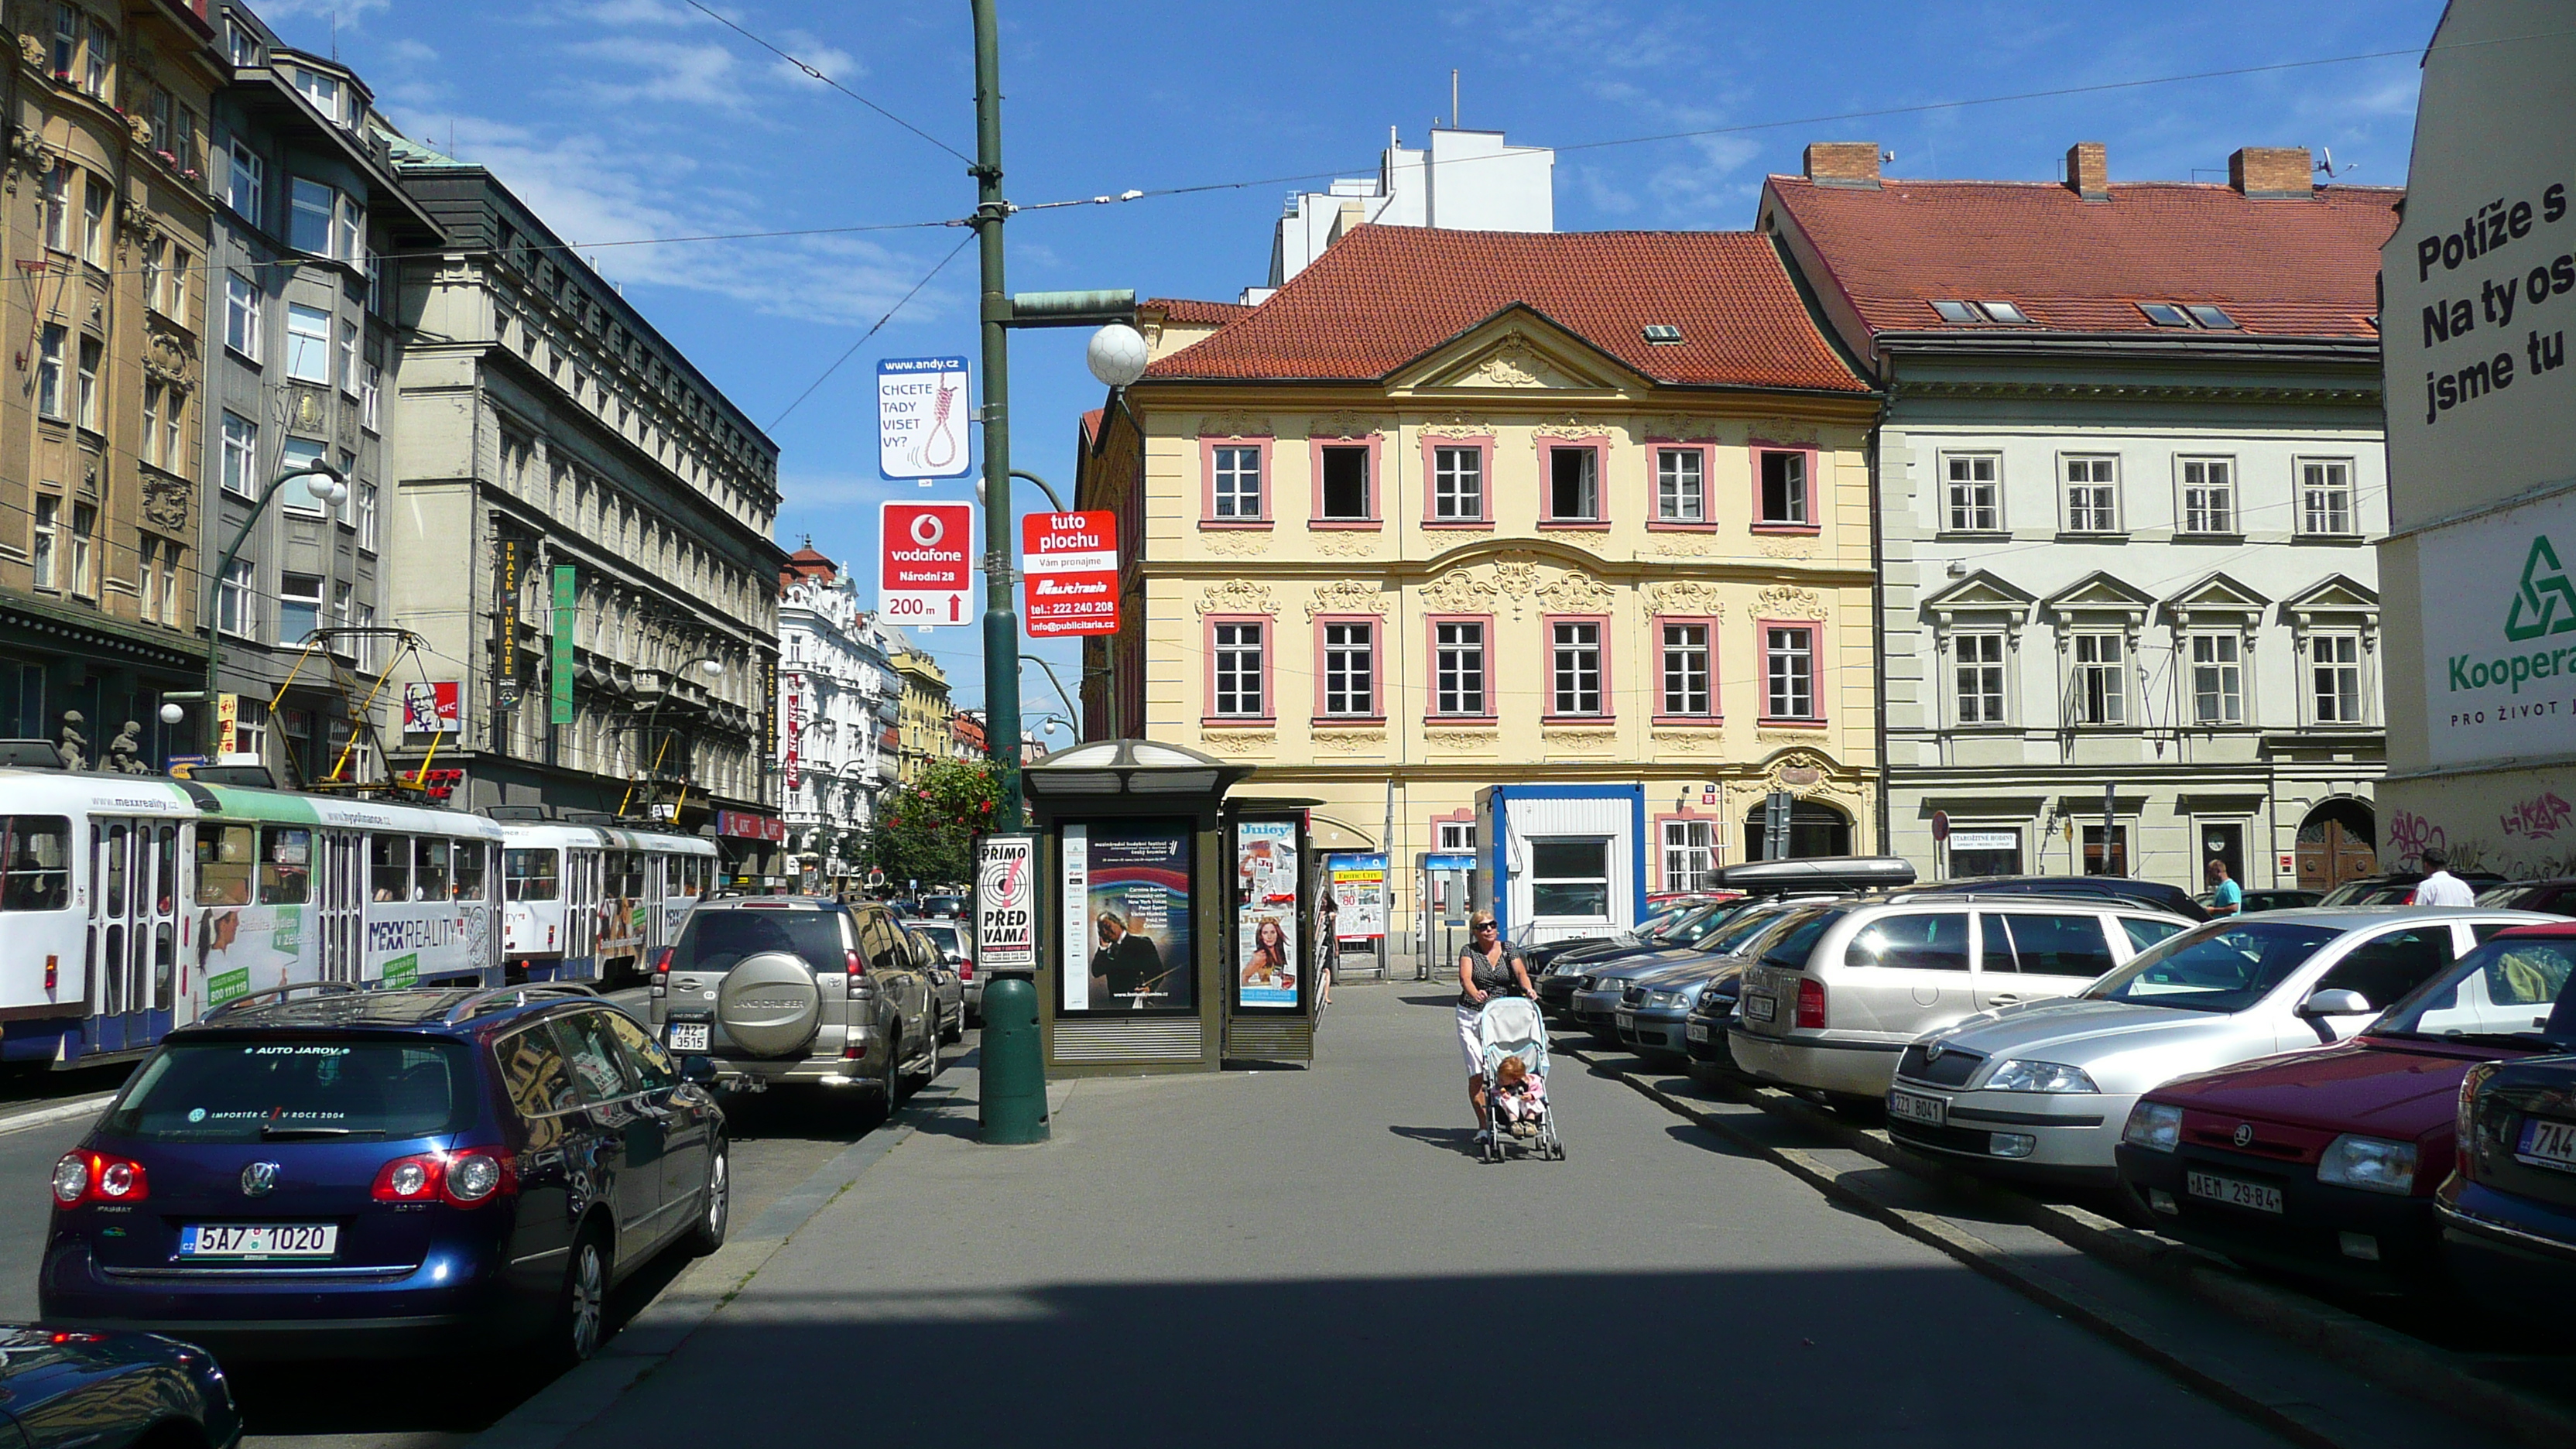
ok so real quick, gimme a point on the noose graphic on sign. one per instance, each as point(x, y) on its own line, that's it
point(941, 429)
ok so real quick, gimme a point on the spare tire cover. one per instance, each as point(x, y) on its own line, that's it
point(769, 1004)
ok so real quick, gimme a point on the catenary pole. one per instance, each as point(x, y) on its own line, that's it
point(1001, 618)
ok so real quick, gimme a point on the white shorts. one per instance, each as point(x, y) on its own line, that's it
point(1468, 1040)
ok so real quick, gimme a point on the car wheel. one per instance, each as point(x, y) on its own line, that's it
point(878, 1105)
point(717, 1211)
point(581, 1313)
point(956, 1033)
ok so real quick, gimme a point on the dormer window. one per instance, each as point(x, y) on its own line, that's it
point(2165, 314)
point(2210, 317)
point(244, 45)
point(1956, 312)
point(324, 92)
point(2005, 312)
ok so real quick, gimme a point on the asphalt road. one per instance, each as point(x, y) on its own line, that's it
point(779, 1139)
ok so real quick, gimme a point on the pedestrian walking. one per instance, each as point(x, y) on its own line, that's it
point(1328, 918)
point(1486, 969)
point(2226, 897)
point(2439, 887)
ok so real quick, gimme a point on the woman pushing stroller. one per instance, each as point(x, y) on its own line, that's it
point(1486, 969)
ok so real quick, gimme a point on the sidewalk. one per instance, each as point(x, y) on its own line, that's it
point(1311, 1258)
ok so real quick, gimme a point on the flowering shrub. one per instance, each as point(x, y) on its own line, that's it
point(926, 830)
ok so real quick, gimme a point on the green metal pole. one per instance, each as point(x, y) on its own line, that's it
point(1012, 1070)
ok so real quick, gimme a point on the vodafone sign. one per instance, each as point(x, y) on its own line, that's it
point(926, 567)
point(1070, 562)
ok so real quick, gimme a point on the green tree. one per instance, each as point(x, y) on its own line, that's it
point(926, 830)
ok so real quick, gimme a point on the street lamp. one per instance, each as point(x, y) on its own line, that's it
point(327, 488)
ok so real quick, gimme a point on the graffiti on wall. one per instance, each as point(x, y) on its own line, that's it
point(2410, 835)
point(2539, 818)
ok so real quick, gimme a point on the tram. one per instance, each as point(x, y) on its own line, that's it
point(133, 904)
point(594, 902)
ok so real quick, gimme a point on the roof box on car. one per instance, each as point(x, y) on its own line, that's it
point(1816, 874)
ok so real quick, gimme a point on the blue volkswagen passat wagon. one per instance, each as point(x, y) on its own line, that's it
point(332, 1173)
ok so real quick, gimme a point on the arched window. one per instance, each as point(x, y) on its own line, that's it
point(1815, 829)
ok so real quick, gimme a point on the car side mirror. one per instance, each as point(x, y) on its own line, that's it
point(2335, 1001)
point(955, 958)
point(701, 1070)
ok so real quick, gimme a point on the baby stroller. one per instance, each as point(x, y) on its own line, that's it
point(1510, 1026)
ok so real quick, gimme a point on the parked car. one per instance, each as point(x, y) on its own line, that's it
point(1652, 1012)
point(956, 943)
point(2398, 888)
point(59, 1387)
point(1570, 972)
point(2324, 1162)
point(2508, 1211)
point(1598, 994)
point(344, 1173)
point(1704, 1030)
point(2119, 889)
point(2551, 897)
point(944, 908)
point(1835, 998)
point(1661, 917)
point(947, 985)
point(2043, 1089)
point(2269, 899)
point(798, 989)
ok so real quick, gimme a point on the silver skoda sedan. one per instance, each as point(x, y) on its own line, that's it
point(2041, 1089)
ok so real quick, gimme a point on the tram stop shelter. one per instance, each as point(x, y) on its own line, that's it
point(1139, 880)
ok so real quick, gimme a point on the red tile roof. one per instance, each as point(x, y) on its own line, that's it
point(2300, 267)
point(1383, 296)
point(1189, 311)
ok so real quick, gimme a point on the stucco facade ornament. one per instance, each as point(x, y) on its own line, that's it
point(1346, 544)
point(1346, 596)
point(1239, 742)
point(1343, 425)
point(1570, 425)
point(1459, 425)
point(1234, 425)
point(1685, 742)
point(1579, 739)
point(1780, 430)
point(1679, 429)
point(165, 503)
point(1351, 742)
point(1461, 739)
point(1509, 365)
point(1237, 596)
point(1459, 592)
point(1689, 596)
point(1787, 548)
point(1788, 601)
point(1578, 594)
point(1680, 545)
point(1232, 544)
point(1516, 579)
point(32, 49)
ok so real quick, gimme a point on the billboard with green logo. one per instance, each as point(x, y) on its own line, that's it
point(2499, 609)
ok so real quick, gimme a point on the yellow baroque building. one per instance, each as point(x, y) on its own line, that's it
point(1462, 509)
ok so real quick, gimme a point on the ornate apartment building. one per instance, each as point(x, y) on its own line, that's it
point(1456, 509)
point(922, 735)
point(838, 703)
point(108, 226)
point(2130, 477)
point(584, 523)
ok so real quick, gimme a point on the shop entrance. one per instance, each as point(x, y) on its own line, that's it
point(2338, 842)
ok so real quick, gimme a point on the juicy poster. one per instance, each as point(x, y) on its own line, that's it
point(1139, 900)
point(1265, 894)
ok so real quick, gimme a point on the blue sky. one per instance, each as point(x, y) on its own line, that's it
point(627, 120)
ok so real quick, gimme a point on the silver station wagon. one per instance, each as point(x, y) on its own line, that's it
point(1836, 995)
point(2042, 1089)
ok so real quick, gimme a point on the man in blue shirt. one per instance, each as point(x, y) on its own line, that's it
point(2226, 897)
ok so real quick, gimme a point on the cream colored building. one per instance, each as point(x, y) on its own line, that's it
point(1458, 509)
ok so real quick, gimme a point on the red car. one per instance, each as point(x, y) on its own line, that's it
point(2324, 1162)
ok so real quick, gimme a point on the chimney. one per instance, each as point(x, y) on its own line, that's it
point(2088, 171)
point(1843, 163)
point(2272, 171)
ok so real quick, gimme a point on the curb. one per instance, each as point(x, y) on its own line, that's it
point(2394, 1360)
point(59, 1112)
point(562, 1408)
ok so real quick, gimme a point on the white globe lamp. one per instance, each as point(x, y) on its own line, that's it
point(1116, 355)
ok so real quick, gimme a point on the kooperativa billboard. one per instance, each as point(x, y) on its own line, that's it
point(2500, 635)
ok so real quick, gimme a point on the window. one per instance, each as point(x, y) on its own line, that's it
point(1980, 852)
point(1784, 489)
point(153, 251)
point(84, 531)
point(2092, 495)
point(1238, 661)
point(2215, 318)
point(1980, 675)
point(94, 222)
point(244, 193)
point(1457, 835)
point(1681, 485)
point(241, 455)
point(170, 582)
point(323, 91)
point(349, 358)
point(1457, 484)
point(67, 34)
point(371, 394)
point(2325, 498)
point(2334, 664)
point(232, 601)
point(1686, 671)
point(308, 343)
point(102, 44)
point(174, 287)
point(1350, 669)
point(362, 492)
point(2047, 945)
point(2101, 695)
point(309, 214)
point(1574, 485)
point(429, 870)
point(244, 45)
point(175, 452)
point(1235, 486)
point(2208, 495)
point(2164, 314)
point(339, 616)
point(2119, 854)
point(1458, 668)
point(1789, 671)
point(350, 240)
point(1690, 854)
point(2006, 312)
point(1575, 668)
point(49, 520)
point(1975, 502)
point(152, 423)
point(58, 220)
point(362, 648)
point(250, 730)
point(376, 283)
point(2217, 679)
point(49, 370)
point(92, 351)
point(389, 866)
point(1570, 877)
point(1346, 483)
point(1951, 311)
point(297, 497)
point(241, 315)
point(1913, 943)
point(530, 875)
point(35, 853)
point(299, 607)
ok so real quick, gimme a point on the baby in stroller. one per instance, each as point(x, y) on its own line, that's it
point(1514, 1110)
point(1520, 1097)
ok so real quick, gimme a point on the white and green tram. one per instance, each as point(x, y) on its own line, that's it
point(595, 902)
point(133, 904)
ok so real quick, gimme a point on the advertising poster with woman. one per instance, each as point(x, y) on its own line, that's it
point(1265, 893)
point(1139, 901)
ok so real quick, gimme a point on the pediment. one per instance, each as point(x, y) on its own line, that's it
point(1981, 591)
point(2100, 592)
point(2334, 594)
point(2217, 594)
point(1516, 350)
